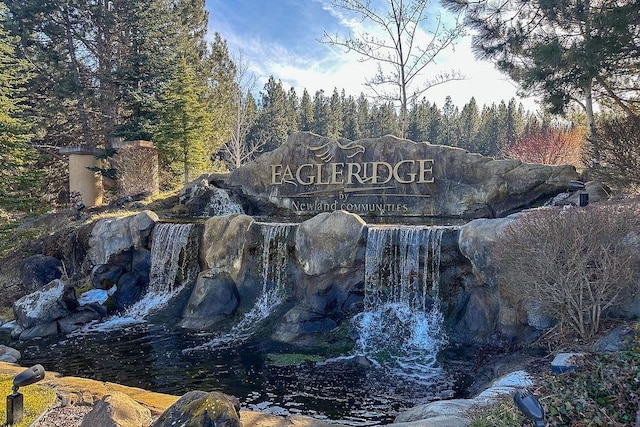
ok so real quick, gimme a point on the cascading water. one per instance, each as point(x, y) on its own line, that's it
point(401, 324)
point(172, 268)
point(221, 204)
point(274, 260)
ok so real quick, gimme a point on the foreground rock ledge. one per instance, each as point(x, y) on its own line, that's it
point(82, 391)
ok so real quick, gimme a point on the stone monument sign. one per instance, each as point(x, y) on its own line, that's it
point(389, 176)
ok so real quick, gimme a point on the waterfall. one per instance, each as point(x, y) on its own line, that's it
point(402, 322)
point(274, 259)
point(173, 266)
point(221, 204)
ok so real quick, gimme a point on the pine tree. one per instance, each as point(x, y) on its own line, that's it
point(306, 112)
point(16, 154)
point(335, 115)
point(185, 126)
point(469, 124)
point(272, 125)
point(350, 124)
point(320, 114)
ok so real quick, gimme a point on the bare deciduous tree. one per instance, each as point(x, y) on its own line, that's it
point(239, 150)
point(399, 51)
point(573, 264)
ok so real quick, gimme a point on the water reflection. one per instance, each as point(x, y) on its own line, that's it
point(151, 357)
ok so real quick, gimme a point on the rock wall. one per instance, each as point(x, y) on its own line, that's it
point(322, 263)
point(388, 176)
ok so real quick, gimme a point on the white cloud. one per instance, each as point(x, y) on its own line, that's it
point(326, 67)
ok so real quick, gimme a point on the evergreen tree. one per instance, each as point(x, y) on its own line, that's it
point(185, 127)
point(566, 51)
point(364, 113)
point(222, 91)
point(334, 123)
point(16, 154)
point(350, 123)
point(306, 112)
point(292, 111)
point(469, 124)
point(152, 54)
point(450, 132)
point(434, 126)
point(320, 114)
point(272, 125)
point(384, 121)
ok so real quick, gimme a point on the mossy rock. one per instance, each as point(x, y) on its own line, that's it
point(199, 408)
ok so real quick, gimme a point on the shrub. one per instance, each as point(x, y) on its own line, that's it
point(551, 147)
point(573, 263)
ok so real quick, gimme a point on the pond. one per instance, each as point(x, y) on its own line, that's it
point(157, 358)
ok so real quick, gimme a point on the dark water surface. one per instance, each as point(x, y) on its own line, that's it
point(153, 357)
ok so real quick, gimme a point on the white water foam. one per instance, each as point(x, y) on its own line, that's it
point(171, 270)
point(401, 325)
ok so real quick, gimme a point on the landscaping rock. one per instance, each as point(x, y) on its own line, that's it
point(200, 409)
point(566, 362)
point(112, 236)
point(53, 302)
point(616, 340)
point(9, 354)
point(117, 410)
point(38, 270)
point(309, 174)
point(212, 300)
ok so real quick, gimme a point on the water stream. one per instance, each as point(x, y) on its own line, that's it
point(400, 329)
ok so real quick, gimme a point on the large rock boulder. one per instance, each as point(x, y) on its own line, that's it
point(213, 299)
point(199, 408)
point(53, 302)
point(9, 354)
point(388, 176)
point(112, 236)
point(477, 240)
point(223, 243)
point(117, 410)
point(328, 242)
point(484, 312)
point(38, 270)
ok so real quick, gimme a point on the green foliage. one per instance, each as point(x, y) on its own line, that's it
point(572, 50)
point(18, 179)
point(185, 128)
point(605, 391)
point(617, 143)
point(37, 399)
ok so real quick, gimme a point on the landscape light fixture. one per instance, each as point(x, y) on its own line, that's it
point(529, 406)
point(15, 400)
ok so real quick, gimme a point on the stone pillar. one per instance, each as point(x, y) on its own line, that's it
point(84, 183)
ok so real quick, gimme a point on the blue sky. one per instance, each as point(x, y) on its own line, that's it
point(280, 38)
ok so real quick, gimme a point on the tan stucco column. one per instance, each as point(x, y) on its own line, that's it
point(82, 181)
